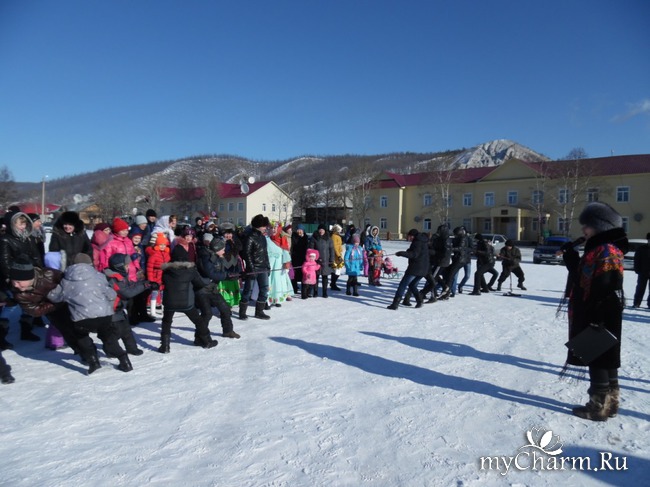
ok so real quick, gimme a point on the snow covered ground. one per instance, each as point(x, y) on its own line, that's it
point(334, 392)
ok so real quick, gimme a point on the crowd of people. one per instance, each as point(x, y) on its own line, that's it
point(126, 274)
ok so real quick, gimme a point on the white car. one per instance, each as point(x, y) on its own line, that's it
point(497, 240)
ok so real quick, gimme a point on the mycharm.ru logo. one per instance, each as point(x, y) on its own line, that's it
point(543, 453)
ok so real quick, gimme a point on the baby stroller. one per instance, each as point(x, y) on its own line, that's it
point(388, 269)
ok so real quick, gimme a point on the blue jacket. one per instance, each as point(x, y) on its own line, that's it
point(354, 260)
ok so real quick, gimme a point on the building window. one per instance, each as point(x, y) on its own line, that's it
point(626, 224)
point(231, 206)
point(487, 225)
point(284, 208)
point(427, 200)
point(563, 225)
point(240, 222)
point(513, 197)
point(383, 202)
point(467, 223)
point(240, 206)
point(538, 197)
point(273, 208)
point(221, 207)
point(623, 194)
point(383, 223)
point(592, 195)
point(426, 226)
point(263, 206)
point(563, 196)
point(489, 199)
point(467, 199)
point(535, 225)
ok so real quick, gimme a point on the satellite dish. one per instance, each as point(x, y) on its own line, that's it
point(251, 180)
point(638, 217)
point(243, 187)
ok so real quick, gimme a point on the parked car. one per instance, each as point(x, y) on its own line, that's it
point(549, 250)
point(634, 244)
point(497, 240)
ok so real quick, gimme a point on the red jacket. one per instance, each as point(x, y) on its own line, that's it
point(155, 259)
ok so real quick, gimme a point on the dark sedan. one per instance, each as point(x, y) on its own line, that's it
point(550, 250)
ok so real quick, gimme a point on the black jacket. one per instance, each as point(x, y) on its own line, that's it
point(325, 246)
point(299, 246)
point(418, 256)
point(484, 253)
point(642, 261)
point(441, 246)
point(12, 245)
point(73, 243)
point(181, 279)
point(510, 258)
point(254, 251)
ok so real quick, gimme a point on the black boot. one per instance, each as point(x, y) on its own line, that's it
point(128, 339)
point(8, 378)
point(347, 289)
point(499, 287)
point(26, 332)
point(355, 291)
point(407, 299)
point(205, 341)
point(418, 300)
point(93, 363)
point(324, 280)
point(395, 304)
point(333, 285)
point(4, 330)
point(259, 311)
point(242, 310)
point(125, 364)
point(164, 343)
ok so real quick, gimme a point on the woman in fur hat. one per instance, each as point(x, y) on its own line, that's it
point(69, 235)
point(595, 285)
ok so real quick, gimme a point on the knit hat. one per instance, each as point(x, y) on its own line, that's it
point(356, 238)
point(509, 243)
point(140, 219)
point(34, 216)
point(53, 260)
point(601, 217)
point(207, 237)
point(136, 230)
point(322, 227)
point(413, 232)
point(102, 226)
point(310, 253)
point(150, 212)
point(161, 239)
point(119, 225)
point(260, 221)
point(217, 244)
point(119, 263)
point(227, 227)
point(287, 228)
point(82, 258)
point(187, 230)
point(21, 269)
point(300, 227)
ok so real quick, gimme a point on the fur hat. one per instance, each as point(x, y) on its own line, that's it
point(70, 218)
point(337, 228)
point(260, 221)
point(187, 230)
point(119, 225)
point(322, 227)
point(140, 219)
point(217, 244)
point(34, 216)
point(151, 212)
point(413, 232)
point(509, 243)
point(478, 236)
point(227, 227)
point(21, 269)
point(601, 217)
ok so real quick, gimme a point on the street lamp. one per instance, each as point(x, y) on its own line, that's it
point(43, 197)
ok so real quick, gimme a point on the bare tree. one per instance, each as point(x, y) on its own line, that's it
point(114, 197)
point(572, 178)
point(536, 201)
point(6, 187)
point(440, 179)
point(211, 194)
point(357, 185)
point(151, 190)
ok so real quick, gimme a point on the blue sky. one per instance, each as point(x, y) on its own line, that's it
point(90, 84)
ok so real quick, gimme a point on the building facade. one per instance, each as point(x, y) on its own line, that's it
point(522, 200)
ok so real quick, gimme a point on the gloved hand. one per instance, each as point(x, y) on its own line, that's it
point(154, 286)
point(401, 253)
point(134, 256)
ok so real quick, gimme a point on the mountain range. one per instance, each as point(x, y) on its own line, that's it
point(306, 170)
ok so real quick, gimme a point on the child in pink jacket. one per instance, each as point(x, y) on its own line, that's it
point(309, 277)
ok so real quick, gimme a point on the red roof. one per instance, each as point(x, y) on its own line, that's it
point(601, 166)
point(226, 190)
point(36, 207)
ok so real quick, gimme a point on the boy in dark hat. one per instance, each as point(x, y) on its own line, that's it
point(257, 267)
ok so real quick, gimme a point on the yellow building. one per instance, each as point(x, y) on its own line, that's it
point(522, 200)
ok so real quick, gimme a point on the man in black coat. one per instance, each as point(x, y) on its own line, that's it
point(642, 269)
point(510, 257)
point(257, 267)
point(299, 246)
point(418, 267)
point(484, 263)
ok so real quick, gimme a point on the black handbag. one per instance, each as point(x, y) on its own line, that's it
point(591, 343)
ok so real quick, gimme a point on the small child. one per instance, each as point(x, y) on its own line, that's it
point(309, 276)
point(117, 275)
point(53, 338)
point(90, 300)
point(354, 262)
point(157, 254)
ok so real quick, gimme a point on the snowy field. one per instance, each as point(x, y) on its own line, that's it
point(334, 392)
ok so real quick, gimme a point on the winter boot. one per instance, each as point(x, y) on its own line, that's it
point(231, 334)
point(242, 311)
point(324, 280)
point(597, 408)
point(8, 378)
point(407, 299)
point(4, 330)
point(164, 343)
point(26, 332)
point(129, 340)
point(304, 291)
point(520, 285)
point(499, 286)
point(355, 291)
point(445, 293)
point(614, 397)
point(93, 363)
point(347, 289)
point(333, 285)
point(475, 292)
point(125, 363)
point(395, 304)
point(418, 300)
point(259, 311)
point(205, 341)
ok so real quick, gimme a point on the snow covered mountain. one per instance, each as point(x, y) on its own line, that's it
point(496, 152)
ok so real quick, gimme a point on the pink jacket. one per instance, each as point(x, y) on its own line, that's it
point(310, 268)
point(119, 245)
